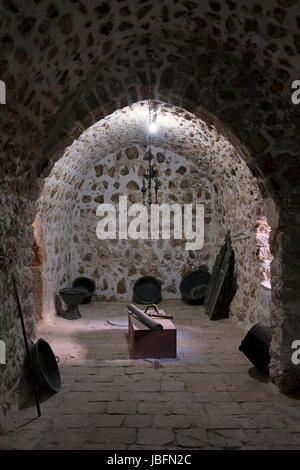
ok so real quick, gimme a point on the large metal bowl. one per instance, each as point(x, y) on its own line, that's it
point(194, 286)
point(85, 283)
point(45, 366)
point(147, 290)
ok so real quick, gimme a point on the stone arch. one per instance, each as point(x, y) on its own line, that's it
point(39, 258)
point(90, 157)
point(252, 132)
point(263, 147)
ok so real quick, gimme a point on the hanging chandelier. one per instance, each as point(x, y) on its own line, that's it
point(150, 178)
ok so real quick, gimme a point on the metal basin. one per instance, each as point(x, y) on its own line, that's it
point(72, 296)
point(45, 368)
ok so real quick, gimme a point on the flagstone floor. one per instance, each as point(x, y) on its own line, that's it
point(210, 397)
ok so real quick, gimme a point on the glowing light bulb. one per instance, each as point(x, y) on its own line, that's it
point(153, 127)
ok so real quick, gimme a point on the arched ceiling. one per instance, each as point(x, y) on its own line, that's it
point(62, 41)
point(105, 155)
point(228, 57)
point(178, 131)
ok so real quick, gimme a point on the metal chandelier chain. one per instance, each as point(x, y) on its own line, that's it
point(151, 174)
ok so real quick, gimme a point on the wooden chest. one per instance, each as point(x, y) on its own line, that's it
point(146, 343)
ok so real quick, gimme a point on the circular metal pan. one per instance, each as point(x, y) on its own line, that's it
point(45, 366)
point(85, 283)
point(194, 286)
point(147, 290)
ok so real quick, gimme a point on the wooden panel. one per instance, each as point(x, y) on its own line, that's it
point(217, 281)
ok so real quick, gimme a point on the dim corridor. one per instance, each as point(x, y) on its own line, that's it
point(210, 397)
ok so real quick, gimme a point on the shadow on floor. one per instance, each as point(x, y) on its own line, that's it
point(26, 393)
point(87, 346)
point(257, 375)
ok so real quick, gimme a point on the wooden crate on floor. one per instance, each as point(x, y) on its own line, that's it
point(146, 343)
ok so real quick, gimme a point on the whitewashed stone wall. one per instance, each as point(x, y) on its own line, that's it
point(53, 226)
point(116, 264)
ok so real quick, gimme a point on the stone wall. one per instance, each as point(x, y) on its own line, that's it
point(16, 261)
point(53, 226)
point(263, 249)
point(116, 264)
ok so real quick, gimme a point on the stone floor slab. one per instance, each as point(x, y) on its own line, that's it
point(209, 397)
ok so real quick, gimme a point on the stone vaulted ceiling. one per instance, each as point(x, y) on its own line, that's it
point(69, 64)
